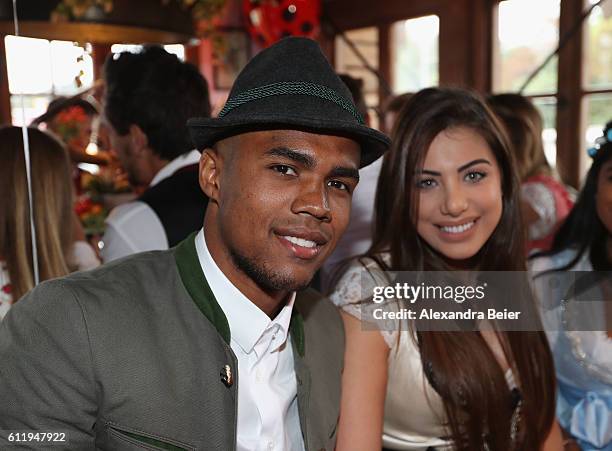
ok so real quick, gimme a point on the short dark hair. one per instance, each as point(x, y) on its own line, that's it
point(156, 91)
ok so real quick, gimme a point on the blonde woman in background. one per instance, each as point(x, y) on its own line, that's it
point(545, 200)
point(60, 239)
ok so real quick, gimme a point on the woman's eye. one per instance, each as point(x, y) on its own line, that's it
point(475, 176)
point(338, 184)
point(286, 170)
point(426, 183)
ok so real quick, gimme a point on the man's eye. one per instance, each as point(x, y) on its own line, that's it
point(286, 170)
point(475, 176)
point(426, 183)
point(338, 185)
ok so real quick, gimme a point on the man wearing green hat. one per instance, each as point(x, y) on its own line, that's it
point(215, 344)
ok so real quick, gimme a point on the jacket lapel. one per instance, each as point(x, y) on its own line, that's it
point(193, 278)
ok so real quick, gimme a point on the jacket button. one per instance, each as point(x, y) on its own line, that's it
point(226, 376)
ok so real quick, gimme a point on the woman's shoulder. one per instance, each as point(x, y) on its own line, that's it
point(357, 277)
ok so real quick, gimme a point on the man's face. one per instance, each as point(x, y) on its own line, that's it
point(283, 201)
point(122, 147)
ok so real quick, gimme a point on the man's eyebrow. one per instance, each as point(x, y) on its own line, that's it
point(472, 163)
point(299, 157)
point(340, 171)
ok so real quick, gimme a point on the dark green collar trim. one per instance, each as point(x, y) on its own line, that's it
point(193, 278)
point(296, 328)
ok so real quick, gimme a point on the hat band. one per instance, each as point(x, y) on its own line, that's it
point(290, 88)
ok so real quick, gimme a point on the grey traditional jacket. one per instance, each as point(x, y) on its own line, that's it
point(131, 356)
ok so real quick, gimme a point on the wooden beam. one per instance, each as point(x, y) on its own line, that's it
point(569, 100)
point(351, 14)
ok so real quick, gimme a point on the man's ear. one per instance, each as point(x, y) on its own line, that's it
point(210, 169)
point(138, 140)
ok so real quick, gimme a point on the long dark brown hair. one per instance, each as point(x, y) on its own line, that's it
point(460, 365)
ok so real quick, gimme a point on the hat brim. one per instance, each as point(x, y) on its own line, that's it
point(207, 131)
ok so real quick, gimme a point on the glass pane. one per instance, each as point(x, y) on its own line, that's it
point(547, 106)
point(528, 31)
point(598, 47)
point(28, 63)
point(347, 62)
point(34, 106)
point(177, 49)
point(72, 68)
point(597, 114)
point(415, 53)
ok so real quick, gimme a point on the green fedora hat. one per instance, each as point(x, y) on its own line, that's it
point(290, 86)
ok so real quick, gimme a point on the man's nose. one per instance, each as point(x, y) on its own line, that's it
point(313, 200)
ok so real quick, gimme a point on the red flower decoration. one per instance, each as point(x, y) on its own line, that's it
point(7, 288)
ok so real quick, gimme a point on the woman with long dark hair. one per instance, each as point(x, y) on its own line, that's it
point(582, 250)
point(447, 199)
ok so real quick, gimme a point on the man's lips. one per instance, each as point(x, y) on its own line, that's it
point(303, 243)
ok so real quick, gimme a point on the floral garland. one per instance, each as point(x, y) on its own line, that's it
point(76, 9)
point(67, 123)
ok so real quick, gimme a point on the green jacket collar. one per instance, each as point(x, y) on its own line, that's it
point(193, 278)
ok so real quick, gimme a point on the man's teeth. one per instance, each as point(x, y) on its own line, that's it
point(458, 229)
point(300, 241)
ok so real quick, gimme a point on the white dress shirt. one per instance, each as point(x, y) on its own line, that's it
point(268, 416)
point(134, 227)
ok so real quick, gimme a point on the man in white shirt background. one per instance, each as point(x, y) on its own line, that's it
point(149, 97)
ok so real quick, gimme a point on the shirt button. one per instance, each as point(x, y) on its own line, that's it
point(258, 378)
point(270, 445)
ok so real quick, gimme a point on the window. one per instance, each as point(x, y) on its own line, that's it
point(527, 33)
point(415, 54)
point(41, 70)
point(176, 49)
point(347, 62)
point(597, 80)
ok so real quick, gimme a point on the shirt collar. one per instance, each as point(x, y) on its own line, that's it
point(179, 162)
point(246, 321)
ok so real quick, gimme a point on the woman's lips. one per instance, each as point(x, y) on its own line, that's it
point(457, 231)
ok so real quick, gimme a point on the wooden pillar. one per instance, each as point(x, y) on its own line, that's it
point(98, 55)
point(384, 67)
point(569, 106)
point(192, 54)
point(481, 42)
point(5, 95)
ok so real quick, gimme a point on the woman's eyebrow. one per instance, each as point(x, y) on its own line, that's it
point(472, 163)
point(461, 168)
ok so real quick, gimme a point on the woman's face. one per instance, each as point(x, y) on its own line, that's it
point(460, 194)
point(604, 195)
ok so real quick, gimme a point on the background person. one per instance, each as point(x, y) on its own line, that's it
point(545, 200)
point(583, 358)
point(60, 240)
point(149, 97)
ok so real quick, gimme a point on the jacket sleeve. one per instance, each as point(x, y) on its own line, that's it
point(47, 381)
